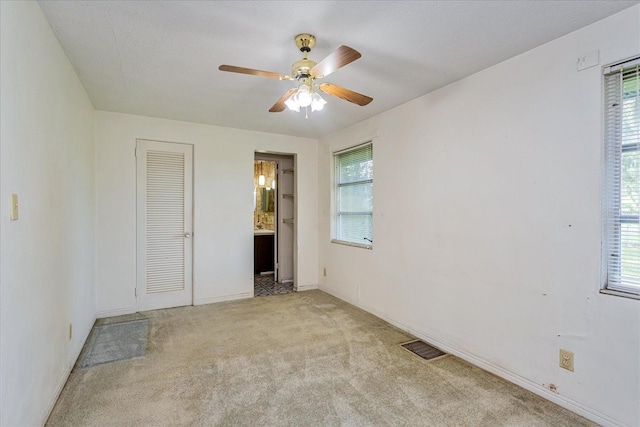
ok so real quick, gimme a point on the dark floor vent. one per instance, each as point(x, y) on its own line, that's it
point(423, 349)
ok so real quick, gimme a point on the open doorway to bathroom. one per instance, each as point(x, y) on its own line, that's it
point(273, 224)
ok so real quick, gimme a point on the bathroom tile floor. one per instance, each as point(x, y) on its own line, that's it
point(264, 285)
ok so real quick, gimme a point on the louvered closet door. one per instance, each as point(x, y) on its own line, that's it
point(165, 218)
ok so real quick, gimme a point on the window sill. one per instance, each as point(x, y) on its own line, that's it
point(619, 294)
point(355, 245)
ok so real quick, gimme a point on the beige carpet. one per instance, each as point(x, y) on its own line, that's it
point(302, 359)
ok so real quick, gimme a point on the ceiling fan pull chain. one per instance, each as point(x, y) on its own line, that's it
point(306, 112)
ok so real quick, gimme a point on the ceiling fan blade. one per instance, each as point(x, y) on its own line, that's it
point(346, 94)
point(279, 105)
point(251, 71)
point(339, 58)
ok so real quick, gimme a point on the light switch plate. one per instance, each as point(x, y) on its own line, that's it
point(14, 207)
point(588, 60)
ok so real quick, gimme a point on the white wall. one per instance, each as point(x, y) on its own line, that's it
point(487, 224)
point(47, 257)
point(223, 201)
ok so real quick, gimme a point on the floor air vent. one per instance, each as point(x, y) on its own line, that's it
point(423, 349)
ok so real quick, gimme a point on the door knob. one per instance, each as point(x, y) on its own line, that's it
point(187, 235)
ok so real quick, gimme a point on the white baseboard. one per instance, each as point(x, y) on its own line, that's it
point(65, 376)
point(512, 377)
point(345, 298)
point(306, 287)
point(56, 395)
point(115, 312)
point(198, 301)
point(211, 300)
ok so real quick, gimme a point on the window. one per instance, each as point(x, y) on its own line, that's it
point(354, 196)
point(621, 203)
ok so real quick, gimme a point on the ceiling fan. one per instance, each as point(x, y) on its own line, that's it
point(306, 72)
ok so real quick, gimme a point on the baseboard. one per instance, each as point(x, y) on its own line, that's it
point(211, 300)
point(65, 376)
point(565, 402)
point(115, 312)
point(345, 298)
point(56, 394)
point(306, 287)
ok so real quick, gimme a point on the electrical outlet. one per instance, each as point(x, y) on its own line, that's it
point(324, 272)
point(70, 331)
point(566, 360)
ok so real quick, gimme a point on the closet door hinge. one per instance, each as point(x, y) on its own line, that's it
point(135, 291)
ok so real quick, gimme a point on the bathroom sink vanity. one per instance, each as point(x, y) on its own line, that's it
point(263, 251)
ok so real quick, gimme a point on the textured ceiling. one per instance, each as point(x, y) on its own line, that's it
point(161, 58)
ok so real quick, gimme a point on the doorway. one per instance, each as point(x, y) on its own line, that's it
point(274, 224)
point(164, 224)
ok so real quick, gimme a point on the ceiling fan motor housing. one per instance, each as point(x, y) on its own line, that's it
point(300, 69)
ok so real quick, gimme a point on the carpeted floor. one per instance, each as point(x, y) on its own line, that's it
point(301, 359)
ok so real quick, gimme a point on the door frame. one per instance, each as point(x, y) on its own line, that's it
point(277, 157)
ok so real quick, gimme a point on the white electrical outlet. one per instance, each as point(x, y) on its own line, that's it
point(566, 360)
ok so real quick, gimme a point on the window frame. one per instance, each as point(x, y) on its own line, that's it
point(612, 217)
point(336, 185)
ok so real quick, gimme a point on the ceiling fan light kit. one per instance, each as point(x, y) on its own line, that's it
point(306, 96)
point(306, 72)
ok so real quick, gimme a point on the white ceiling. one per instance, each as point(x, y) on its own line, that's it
point(161, 58)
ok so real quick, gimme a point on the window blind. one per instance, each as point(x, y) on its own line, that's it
point(621, 216)
point(354, 195)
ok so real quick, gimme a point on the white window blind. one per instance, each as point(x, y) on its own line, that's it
point(621, 203)
point(354, 195)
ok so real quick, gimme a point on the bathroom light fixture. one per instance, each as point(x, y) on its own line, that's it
point(261, 177)
point(273, 183)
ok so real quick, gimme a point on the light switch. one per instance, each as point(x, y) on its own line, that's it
point(14, 206)
point(588, 60)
